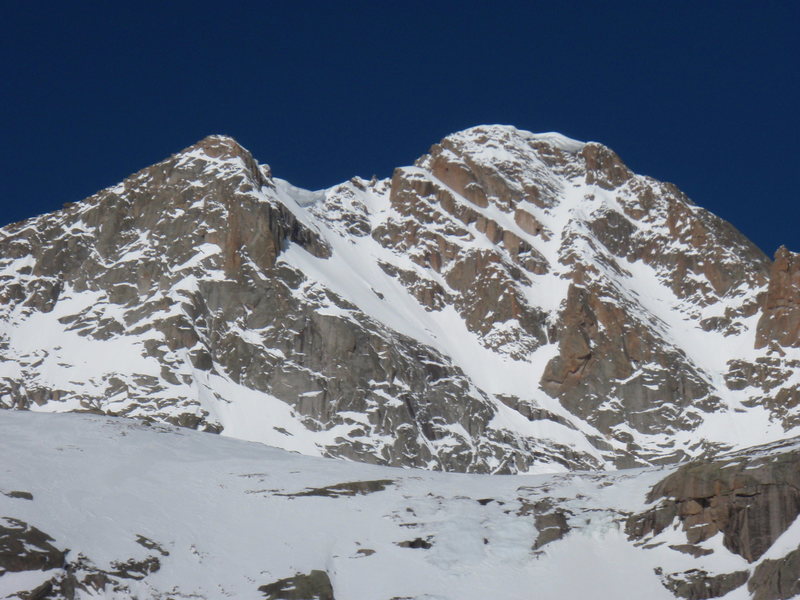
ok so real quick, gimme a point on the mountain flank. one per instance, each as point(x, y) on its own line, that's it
point(605, 375)
point(512, 302)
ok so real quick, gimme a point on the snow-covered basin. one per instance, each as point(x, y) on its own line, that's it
point(229, 514)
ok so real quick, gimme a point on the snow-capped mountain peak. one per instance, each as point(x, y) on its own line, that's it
point(512, 302)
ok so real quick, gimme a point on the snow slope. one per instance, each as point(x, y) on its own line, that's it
point(224, 517)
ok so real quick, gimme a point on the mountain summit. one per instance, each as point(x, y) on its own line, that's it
point(512, 302)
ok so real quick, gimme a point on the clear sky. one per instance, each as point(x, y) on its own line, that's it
point(703, 94)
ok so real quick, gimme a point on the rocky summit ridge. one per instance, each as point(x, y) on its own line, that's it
point(512, 302)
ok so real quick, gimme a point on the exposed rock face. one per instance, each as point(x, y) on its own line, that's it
point(552, 526)
point(25, 548)
point(750, 500)
point(699, 585)
point(780, 319)
point(777, 579)
point(314, 586)
point(511, 302)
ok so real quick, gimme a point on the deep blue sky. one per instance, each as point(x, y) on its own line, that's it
point(703, 94)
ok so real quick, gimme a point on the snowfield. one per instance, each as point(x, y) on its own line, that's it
point(220, 518)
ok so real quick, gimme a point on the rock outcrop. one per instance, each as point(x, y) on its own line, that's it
point(314, 586)
point(776, 579)
point(749, 499)
point(697, 584)
point(25, 548)
point(780, 318)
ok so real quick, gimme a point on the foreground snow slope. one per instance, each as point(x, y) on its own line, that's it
point(156, 511)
